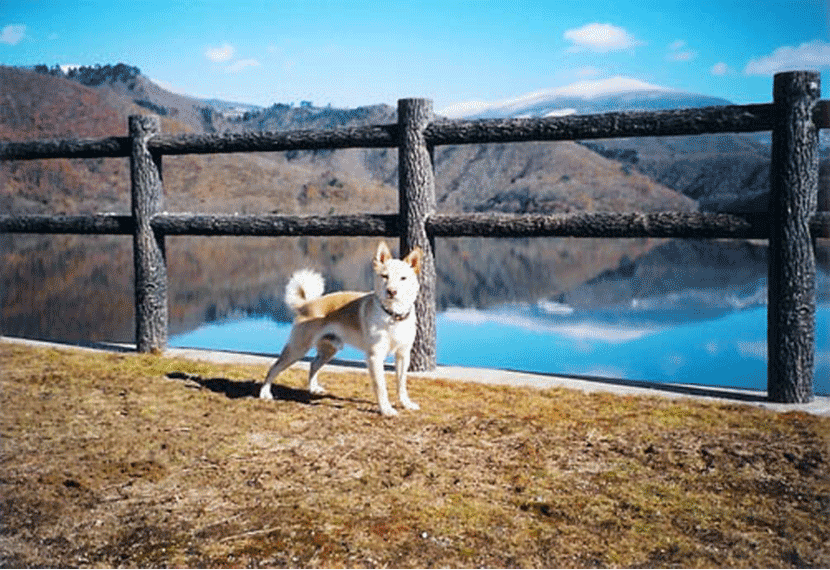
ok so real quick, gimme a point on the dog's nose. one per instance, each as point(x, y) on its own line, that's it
point(391, 292)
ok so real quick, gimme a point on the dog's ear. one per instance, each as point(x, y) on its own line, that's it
point(414, 259)
point(382, 255)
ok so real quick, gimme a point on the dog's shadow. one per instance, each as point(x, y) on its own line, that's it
point(235, 389)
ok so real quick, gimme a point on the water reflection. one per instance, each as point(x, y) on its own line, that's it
point(625, 301)
point(727, 351)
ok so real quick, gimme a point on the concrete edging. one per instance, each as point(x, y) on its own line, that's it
point(819, 406)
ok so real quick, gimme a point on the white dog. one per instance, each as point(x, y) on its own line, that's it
point(378, 323)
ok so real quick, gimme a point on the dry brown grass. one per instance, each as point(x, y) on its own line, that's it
point(126, 460)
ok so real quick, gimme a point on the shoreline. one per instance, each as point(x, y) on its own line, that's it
point(820, 405)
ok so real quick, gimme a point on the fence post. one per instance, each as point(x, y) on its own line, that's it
point(148, 247)
point(416, 191)
point(791, 311)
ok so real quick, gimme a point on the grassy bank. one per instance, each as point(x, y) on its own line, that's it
point(126, 460)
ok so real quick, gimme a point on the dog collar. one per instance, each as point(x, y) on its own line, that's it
point(397, 316)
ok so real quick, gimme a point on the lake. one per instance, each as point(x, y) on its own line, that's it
point(690, 338)
point(685, 311)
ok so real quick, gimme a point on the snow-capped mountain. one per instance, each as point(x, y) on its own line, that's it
point(612, 94)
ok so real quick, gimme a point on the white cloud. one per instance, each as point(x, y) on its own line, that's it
point(600, 38)
point(810, 55)
point(580, 331)
point(220, 54)
point(676, 45)
point(720, 68)
point(682, 55)
point(677, 53)
point(587, 72)
point(12, 34)
point(238, 66)
point(752, 349)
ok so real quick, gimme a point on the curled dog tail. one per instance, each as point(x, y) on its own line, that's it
point(304, 286)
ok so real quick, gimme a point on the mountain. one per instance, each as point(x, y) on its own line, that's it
point(586, 97)
point(123, 86)
point(48, 105)
point(724, 173)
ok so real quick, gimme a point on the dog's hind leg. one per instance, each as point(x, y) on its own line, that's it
point(327, 347)
point(295, 349)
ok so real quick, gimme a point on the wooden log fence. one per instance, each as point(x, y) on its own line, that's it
point(791, 225)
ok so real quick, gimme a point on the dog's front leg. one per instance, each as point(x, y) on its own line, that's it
point(374, 360)
point(401, 369)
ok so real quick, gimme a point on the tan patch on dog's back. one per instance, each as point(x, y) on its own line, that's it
point(344, 303)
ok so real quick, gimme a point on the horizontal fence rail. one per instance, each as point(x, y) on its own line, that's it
point(791, 225)
point(709, 120)
point(610, 225)
point(274, 225)
point(578, 225)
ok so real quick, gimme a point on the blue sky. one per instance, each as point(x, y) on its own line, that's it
point(357, 52)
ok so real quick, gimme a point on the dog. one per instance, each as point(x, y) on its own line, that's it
point(379, 323)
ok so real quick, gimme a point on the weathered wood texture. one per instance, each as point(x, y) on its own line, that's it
point(791, 311)
point(821, 115)
point(601, 225)
point(80, 224)
point(68, 148)
point(277, 225)
point(580, 225)
point(416, 190)
point(378, 136)
point(727, 119)
point(148, 245)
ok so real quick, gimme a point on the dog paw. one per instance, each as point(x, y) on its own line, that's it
point(317, 390)
point(410, 405)
point(265, 392)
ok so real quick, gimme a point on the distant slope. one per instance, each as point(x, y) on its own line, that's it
point(544, 178)
point(728, 172)
point(724, 173)
point(36, 106)
point(518, 178)
point(559, 177)
point(39, 105)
